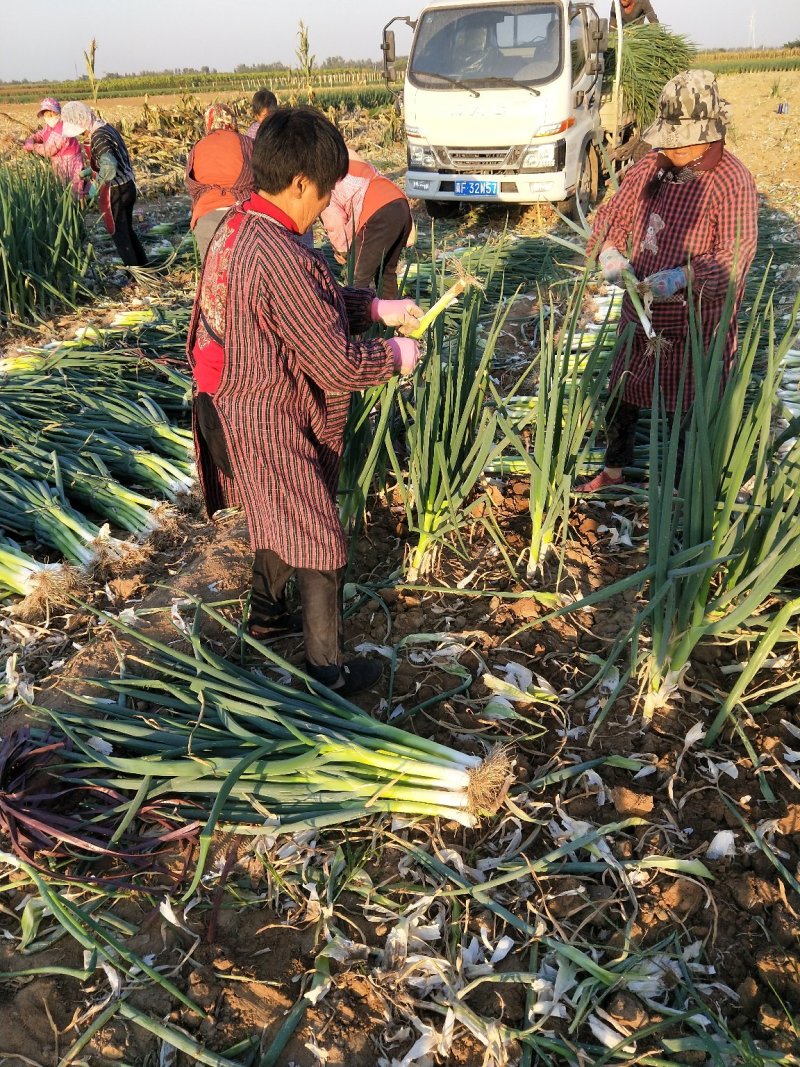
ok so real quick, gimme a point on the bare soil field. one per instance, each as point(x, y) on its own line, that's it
point(473, 953)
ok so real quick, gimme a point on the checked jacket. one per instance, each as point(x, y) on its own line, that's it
point(708, 220)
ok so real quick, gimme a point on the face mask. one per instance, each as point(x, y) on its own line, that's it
point(52, 120)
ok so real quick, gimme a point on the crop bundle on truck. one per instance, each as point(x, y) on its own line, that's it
point(510, 102)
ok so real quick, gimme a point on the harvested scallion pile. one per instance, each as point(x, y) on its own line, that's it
point(251, 755)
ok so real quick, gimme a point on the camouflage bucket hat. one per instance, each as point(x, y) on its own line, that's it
point(690, 111)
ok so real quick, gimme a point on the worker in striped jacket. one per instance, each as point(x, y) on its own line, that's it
point(115, 183)
point(274, 362)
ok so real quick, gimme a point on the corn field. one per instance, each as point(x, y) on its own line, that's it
point(747, 61)
point(287, 81)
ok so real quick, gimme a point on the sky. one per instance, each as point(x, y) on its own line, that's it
point(42, 39)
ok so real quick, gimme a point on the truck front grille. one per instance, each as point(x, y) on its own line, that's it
point(480, 160)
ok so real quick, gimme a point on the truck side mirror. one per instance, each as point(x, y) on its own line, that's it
point(388, 47)
point(390, 70)
point(598, 35)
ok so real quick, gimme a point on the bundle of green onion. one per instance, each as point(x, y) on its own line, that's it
point(38, 509)
point(651, 55)
point(38, 583)
point(450, 432)
point(737, 508)
point(560, 425)
point(85, 433)
point(44, 257)
point(257, 756)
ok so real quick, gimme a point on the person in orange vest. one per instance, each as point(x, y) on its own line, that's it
point(369, 211)
point(218, 173)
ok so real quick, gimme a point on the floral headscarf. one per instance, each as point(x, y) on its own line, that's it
point(219, 117)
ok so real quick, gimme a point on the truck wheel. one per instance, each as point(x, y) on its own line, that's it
point(443, 209)
point(587, 190)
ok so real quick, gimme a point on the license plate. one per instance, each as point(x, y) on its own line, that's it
point(475, 188)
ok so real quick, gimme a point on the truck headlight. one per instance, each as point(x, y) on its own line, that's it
point(539, 157)
point(421, 155)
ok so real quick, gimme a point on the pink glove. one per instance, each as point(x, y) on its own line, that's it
point(405, 353)
point(612, 264)
point(402, 314)
point(28, 145)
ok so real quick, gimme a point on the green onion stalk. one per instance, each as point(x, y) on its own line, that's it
point(255, 755)
point(141, 422)
point(449, 432)
point(85, 478)
point(39, 584)
point(24, 419)
point(368, 423)
point(561, 426)
point(85, 370)
point(44, 257)
point(737, 509)
point(38, 509)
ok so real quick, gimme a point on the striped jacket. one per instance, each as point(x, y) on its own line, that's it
point(709, 222)
point(106, 139)
point(289, 368)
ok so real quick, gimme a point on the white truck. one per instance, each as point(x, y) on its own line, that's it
point(502, 102)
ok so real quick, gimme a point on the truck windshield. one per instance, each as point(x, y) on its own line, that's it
point(487, 45)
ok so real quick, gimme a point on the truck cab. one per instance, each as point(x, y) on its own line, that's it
point(502, 102)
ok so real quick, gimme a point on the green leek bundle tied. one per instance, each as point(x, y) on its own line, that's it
point(249, 755)
point(651, 56)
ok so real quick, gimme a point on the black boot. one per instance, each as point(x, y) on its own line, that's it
point(352, 676)
point(265, 627)
point(321, 597)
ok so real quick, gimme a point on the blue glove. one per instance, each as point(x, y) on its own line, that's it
point(94, 192)
point(666, 283)
point(86, 173)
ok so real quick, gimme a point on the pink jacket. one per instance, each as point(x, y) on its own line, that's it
point(63, 152)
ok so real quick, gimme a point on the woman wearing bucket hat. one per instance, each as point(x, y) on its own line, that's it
point(109, 159)
point(63, 152)
point(686, 216)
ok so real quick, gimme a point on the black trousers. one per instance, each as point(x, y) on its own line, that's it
point(320, 598)
point(379, 245)
point(621, 421)
point(320, 591)
point(122, 198)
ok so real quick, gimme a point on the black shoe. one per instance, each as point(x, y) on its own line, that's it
point(353, 676)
